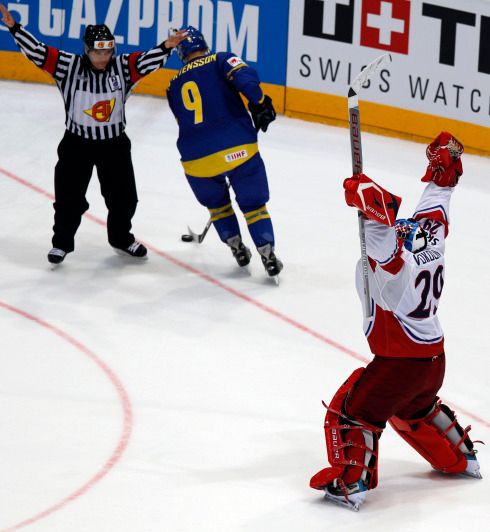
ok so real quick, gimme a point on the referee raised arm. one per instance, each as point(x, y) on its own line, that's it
point(95, 87)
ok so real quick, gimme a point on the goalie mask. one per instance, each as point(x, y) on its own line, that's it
point(194, 41)
point(98, 37)
point(413, 236)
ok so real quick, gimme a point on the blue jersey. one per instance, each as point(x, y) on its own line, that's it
point(216, 133)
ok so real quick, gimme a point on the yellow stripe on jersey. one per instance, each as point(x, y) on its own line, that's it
point(221, 212)
point(254, 216)
point(234, 69)
point(221, 161)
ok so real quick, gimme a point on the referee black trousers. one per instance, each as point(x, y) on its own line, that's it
point(77, 158)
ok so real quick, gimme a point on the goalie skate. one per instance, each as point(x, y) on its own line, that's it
point(441, 440)
point(472, 467)
point(351, 496)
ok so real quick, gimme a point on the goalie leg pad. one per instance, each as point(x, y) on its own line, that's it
point(352, 447)
point(439, 438)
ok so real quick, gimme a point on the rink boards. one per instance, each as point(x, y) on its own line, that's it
point(307, 52)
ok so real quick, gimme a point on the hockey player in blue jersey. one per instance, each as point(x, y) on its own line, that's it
point(218, 140)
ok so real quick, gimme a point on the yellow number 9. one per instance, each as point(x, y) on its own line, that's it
point(192, 100)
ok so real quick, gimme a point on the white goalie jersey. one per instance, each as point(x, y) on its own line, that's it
point(405, 287)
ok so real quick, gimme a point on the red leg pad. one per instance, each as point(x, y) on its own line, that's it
point(351, 448)
point(433, 443)
point(325, 477)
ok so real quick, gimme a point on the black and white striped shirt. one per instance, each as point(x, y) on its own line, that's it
point(94, 100)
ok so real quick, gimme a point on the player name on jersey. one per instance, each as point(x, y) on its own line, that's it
point(424, 257)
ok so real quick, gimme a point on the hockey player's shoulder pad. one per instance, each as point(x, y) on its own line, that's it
point(230, 61)
point(371, 199)
point(444, 155)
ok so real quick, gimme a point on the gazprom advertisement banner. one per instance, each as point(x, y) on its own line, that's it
point(308, 51)
point(440, 51)
point(254, 29)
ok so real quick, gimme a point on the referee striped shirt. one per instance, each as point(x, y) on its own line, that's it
point(94, 100)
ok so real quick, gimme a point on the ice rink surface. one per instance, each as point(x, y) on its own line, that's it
point(182, 394)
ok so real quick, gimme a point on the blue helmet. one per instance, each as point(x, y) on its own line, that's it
point(194, 41)
point(413, 236)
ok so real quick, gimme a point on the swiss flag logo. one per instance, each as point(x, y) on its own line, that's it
point(385, 24)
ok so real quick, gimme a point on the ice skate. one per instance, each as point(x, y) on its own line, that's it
point(241, 253)
point(135, 250)
point(56, 256)
point(350, 496)
point(272, 264)
point(473, 466)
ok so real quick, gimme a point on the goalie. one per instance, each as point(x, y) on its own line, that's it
point(400, 385)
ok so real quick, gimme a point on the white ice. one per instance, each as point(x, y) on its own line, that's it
point(182, 394)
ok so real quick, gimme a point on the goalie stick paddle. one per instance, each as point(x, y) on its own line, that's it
point(356, 154)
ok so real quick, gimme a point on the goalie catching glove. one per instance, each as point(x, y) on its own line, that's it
point(372, 200)
point(263, 113)
point(445, 166)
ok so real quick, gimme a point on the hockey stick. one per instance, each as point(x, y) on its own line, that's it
point(356, 153)
point(194, 237)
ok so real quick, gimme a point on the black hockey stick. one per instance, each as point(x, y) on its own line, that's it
point(194, 237)
point(356, 153)
point(198, 238)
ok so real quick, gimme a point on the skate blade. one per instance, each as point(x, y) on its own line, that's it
point(469, 473)
point(353, 503)
point(275, 279)
point(243, 271)
point(472, 472)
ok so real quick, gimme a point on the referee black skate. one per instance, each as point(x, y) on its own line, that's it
point(95, 87)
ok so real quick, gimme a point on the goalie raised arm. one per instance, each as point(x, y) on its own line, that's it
point(400, 385)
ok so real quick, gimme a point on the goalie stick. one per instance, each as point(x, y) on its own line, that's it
point(356, 153)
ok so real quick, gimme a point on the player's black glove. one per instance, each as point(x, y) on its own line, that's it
point(262, 113)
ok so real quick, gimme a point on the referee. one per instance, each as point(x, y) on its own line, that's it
point(95, 87)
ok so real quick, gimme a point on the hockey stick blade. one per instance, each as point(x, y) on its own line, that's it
point(194, 237)
point(367, 73)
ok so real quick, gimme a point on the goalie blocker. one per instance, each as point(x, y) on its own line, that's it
point(371, 199)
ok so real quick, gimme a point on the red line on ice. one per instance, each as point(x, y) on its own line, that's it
point(123, 399)
point(244, 297)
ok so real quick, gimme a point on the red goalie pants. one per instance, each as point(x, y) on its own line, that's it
point(402, 387)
